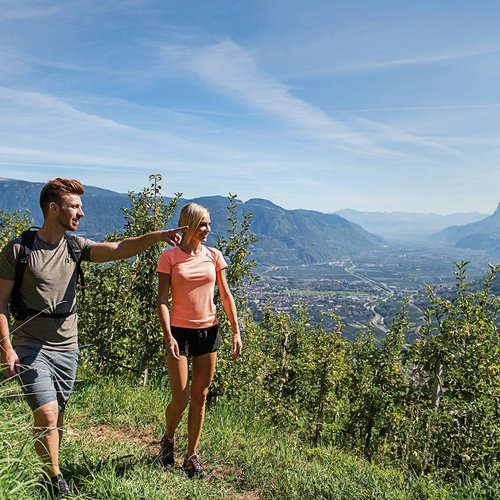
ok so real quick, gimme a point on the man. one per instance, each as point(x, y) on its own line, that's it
point(44, 351)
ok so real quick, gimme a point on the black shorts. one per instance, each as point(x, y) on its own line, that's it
point(196, 341)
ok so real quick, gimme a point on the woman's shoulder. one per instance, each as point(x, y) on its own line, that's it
point(170, 253)
point(215, 252)
point(217, 258)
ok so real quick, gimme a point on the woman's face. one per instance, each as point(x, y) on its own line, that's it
point(203, 229)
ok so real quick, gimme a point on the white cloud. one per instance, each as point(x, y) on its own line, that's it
point(391, 134)
point(231, 70)
point(419, 60)
point(12, 10)
point(18, 101)
point(45, 130)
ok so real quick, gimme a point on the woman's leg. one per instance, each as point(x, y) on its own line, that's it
point(179, 387)
point(203, 373)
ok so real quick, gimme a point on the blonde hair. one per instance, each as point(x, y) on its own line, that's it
point(191, 215)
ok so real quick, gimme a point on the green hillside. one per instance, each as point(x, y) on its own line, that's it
point(285, 237)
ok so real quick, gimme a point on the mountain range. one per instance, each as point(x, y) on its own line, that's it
point(285, 237)
point(480, 235)
point(405, 225)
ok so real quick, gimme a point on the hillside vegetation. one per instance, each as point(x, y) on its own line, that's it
point(304, 413)
point(285, 237)
point(112, 442)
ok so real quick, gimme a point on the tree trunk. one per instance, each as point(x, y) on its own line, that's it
point(437, 386)
point(283, 354)
point(323, 388)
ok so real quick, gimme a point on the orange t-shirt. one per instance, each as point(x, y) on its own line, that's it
point(192, 283)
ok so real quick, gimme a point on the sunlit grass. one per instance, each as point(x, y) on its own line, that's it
point(112, 441)
point(19, 472)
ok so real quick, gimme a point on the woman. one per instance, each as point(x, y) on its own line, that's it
point(189, 272)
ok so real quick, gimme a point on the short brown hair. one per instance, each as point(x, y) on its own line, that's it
point(54, 190)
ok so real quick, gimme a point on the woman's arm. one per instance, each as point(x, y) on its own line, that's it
point(230, 308)
point(171, 345)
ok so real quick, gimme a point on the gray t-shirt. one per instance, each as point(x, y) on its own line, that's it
point(49, 281)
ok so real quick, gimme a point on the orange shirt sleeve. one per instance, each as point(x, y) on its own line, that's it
point(220, 262)
point(164, 264)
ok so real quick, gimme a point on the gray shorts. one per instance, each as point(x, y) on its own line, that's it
point(47, 375)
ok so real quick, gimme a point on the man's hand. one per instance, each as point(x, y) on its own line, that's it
point(172, 237)
point(10, 363)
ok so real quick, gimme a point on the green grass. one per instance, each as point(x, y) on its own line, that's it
point(112, 440)
point(18, 472)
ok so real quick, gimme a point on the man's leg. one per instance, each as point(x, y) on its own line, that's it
point(60, 426)
point(47, 434)
point(64, 366)
point(37, 381)
point(47, 379)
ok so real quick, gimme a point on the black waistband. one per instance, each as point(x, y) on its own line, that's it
point(181, 329)
point(31, 313)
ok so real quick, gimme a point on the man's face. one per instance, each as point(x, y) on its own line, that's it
point(69, 211)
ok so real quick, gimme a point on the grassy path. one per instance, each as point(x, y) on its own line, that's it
point(112, 440)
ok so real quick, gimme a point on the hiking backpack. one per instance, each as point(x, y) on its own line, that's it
point(18, 308)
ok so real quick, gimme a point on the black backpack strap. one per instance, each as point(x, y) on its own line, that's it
point(76, 254)
point(17, 305)
point(74, 247)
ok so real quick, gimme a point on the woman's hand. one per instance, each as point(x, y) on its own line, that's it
point(171, 347)
point(237, 345)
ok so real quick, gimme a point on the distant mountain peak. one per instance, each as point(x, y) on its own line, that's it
point(216, 197)
point(260, 202)
point(480, 235)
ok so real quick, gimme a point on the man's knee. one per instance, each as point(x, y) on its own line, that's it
point(46, 416)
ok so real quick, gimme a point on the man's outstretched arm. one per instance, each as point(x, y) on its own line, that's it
point(117, 250)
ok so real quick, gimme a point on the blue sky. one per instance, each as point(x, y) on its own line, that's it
point(377, 105)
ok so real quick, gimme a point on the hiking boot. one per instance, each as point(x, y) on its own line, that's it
point(167, 451)
point(193, 468)
point(57, 487)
